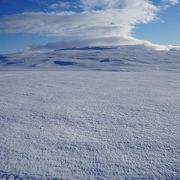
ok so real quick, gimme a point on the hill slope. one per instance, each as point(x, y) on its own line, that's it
point(122, 58)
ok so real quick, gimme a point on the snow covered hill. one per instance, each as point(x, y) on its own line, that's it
point(90, 113)
point(121, 58)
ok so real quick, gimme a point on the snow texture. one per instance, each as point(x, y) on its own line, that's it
point(121, 58)
point(91, 124)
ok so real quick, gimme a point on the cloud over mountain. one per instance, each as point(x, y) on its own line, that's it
point(96, 19)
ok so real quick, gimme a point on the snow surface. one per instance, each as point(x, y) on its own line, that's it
point(122, 58)
point(121, 122)
point(80, 125)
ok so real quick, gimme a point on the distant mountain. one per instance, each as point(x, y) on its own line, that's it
point(119, 58)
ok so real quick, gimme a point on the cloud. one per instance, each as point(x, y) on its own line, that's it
point(100, 4)
point(171, 2)
point(101, 41)
point(60, 5)
point(99, 22)
point(168, 3)
point(113, 18)
point(98, 41)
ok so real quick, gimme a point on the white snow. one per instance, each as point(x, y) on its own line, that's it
point(90, 124)
point(90, 113)
point(122, 58)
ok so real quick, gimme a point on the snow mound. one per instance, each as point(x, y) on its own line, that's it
point(121, 58)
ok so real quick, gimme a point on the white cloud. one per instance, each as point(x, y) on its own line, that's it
point(104, 21)
point(100, 4)
point(168, 3)
point(171, 2)
point(110, 20)
point(61, 5)
point(101, 41)
point(97, 41)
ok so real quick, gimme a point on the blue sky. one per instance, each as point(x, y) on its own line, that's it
point(44, 21)
point(164, 30)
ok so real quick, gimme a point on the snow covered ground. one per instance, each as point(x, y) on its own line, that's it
point(121, 58)
point(90, 113)
point(90, 124)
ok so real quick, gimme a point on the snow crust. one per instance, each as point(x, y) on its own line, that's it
point(121, 58)
point(90, 124)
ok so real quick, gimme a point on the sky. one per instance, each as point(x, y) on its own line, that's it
point(51, 24)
